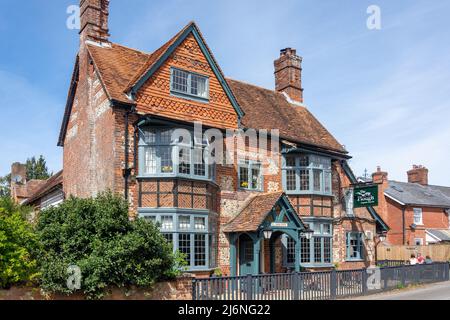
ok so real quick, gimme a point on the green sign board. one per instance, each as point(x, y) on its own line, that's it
point(366, 196)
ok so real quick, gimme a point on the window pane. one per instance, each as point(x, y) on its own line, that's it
point(184, 246)
point(151, 219)
point(327, 250)
point(199, 162)
point(150, 160)
point(290, 161)
point(291, 180)
point(200, 250)
point(166, 222)
point(180, 80)
point(304, 180)
point(256, 175)
point(185, 160)
point(165, 153)
point(355, 246)
point(326, 228)
point(200, 223)
point(290, 251)
point(317, 249)
point(169, 237)
point(327, 182)
point(305, 256)
point(317, 180)
point(184, 222)
point(417, 215)
point(199, 86)
point(243, 177)
point(304, 161)
point(149, 135)
point(317, 229)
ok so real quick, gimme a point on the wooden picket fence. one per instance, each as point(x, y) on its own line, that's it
point(436, 252)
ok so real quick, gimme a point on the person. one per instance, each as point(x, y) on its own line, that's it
point(428, 260)
point(420, 259)
point(413, 260)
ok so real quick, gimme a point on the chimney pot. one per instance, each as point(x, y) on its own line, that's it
point(418, 174)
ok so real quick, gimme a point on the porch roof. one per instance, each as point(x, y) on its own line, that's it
point(255, 212)
point(440, 234)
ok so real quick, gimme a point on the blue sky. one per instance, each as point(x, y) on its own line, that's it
point(383, 93)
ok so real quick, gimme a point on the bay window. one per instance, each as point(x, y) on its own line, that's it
point(194, 235)
point(307, 174)
point(160, 155)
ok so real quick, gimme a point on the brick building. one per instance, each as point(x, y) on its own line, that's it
point(266, 207)
point(416, 212)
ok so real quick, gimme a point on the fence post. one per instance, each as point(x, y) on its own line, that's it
point(296, 285)
point(403, 270)
point(249, 287)
point(194, 289)
point(333, 284)
point(447, 271)
point(365, 277)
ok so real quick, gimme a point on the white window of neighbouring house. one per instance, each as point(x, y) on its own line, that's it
point(307, 174)
point(418, 241)
point(250, 175)
point(418, 216)
point(162, 154)
point(189, 84)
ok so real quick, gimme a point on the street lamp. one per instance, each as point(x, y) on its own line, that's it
point(382, 237)
point(268, 234)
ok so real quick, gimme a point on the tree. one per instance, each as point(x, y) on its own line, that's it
point(18, 245)
point(5, 186)
point(96, 238)
point(37, 169)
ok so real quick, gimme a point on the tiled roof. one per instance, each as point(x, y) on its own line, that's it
point(416, 194)
point(254, 213)
point(45, 187)
point(268, 109)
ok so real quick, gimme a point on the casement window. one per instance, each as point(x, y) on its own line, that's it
point(250, 175)
point(307, 174)
point(189, 84)
point(194, 235)
point(317, 251)
point(355, 246)
point(418, 216)
point(160, 155)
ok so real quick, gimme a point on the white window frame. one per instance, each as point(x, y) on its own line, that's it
point(417, 211)
point(421, 242)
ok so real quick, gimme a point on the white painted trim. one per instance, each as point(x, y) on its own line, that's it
point(296, 103)
point(392, 198)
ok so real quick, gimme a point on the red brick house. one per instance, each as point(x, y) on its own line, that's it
point(416, 212)
point(273, 207)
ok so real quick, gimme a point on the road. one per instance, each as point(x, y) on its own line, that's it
point(438, 291)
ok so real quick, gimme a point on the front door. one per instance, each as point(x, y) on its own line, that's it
point(246, 258)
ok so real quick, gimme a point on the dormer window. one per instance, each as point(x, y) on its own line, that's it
point(189, 84)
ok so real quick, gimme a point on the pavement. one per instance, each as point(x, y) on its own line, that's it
point(437, 291)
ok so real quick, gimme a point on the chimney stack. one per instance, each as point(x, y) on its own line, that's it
point(94, 20)
point(379, 177)
point(288, 74)
point(418, 174)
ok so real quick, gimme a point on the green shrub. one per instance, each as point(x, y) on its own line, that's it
point(18, 245)
point(97, 236)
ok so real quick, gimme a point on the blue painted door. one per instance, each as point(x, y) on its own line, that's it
point(246, 257)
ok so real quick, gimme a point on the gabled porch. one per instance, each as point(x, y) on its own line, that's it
point(265, 236)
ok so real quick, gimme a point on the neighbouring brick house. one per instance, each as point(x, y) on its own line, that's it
point(247, 216)
point(416, 212)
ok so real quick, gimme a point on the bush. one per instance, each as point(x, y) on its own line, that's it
point(97, 236)
point(18, 245)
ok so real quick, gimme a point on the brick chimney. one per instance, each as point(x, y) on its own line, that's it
point(94, 20)
point(288, 74)
point(418, 174)
point(379, 176)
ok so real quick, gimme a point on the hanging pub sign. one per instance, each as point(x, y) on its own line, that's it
point(365, 196)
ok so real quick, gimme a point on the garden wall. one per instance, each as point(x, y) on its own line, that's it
point(179, 289)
